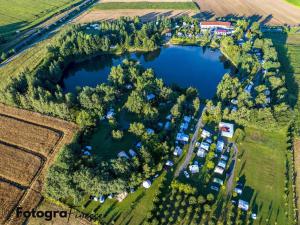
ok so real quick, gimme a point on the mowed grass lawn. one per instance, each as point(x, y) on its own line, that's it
point(20, 14)
point(147, 5)
point(106, 147)
point(132, 210)
point(262, 164)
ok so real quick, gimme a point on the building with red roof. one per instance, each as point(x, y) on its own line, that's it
point(215, 24)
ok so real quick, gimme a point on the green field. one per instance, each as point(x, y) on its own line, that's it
point(106, 147)
point(22, 14)
point(147, 5)
point(262, 166)
point(294, 2)
point(132, 210)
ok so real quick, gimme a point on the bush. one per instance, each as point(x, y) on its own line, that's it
point(117, 134)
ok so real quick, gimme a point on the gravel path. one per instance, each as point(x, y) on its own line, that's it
point(191, 146)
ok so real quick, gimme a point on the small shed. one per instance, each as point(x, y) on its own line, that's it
point(120, 197)
point(184, 126)
point(226, 129)
point(147, 184)
point(132, 153)
point(194, 168)
point(182, 137)
point(187, 119)
point(204, 145)
point(201, 153)
point(220, 145)
point(222, 164)
point(243, 205)
point(205, 134)
point(219, 170)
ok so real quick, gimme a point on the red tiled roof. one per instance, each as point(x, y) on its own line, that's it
point(216, 23)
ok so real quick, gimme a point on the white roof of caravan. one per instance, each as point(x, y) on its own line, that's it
point(227, 129)
point(147, 184)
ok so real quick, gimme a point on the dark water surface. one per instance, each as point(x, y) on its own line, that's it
point(183, 65)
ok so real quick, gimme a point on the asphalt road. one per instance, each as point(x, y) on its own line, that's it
point(191, 146)
point(46, 34)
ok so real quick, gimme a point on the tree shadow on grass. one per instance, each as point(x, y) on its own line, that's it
point(280, 42)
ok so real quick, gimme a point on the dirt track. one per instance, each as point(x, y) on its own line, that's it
point(269, 11)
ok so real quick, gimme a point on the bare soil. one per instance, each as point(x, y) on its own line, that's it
point(145, 14)
point(272, 12)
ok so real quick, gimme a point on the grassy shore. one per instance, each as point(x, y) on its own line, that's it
point(147, 5)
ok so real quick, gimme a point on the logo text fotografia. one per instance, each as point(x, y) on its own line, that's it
point(49, 215)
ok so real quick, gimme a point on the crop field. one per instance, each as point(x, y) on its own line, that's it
point(14, 161)
point(275, 12)
point(9, 195)
point(26, 135)
point(146, 10)
point(261, 163)
point(28, 145)
point(22, 14)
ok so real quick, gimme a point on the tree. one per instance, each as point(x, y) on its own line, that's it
point(210, 197)
point(117, 134)
point(196, 105)
point(84, 119)
point(137, 128)
point(210, 165)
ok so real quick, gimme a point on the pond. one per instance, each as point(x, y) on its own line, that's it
point(202, 68)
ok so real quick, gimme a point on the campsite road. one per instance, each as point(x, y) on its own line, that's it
point(191, 146)
point(230, 179)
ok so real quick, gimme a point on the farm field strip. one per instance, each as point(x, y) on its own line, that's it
point(15, 161)
point(28, 135)
point(9, 197)
point(28, 144)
